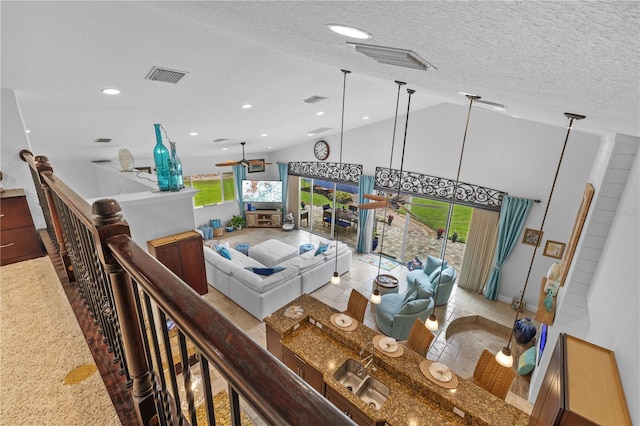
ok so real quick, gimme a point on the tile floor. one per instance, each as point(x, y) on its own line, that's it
point(460, 350)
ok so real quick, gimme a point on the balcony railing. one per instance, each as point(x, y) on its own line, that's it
point(145, 313)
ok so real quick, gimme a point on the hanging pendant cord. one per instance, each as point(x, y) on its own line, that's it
point(571, 118)
point(393, 141)
point(335, 213)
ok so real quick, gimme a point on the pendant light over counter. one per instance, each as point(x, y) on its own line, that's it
point(505, 357)
point(376, 298)
point(335, 278)
point(432, 322)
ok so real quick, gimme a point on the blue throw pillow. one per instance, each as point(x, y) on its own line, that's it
point(424, 291)
point(431, 264)
point(322, 249)
point(265, 271)
point(224, 252)
point(447, 275)
point(527, 361)
point(414, 306)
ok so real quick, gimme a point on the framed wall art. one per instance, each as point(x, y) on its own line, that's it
point(254, 168)
point(581, 217)
point(531, 237)
point(554, 249)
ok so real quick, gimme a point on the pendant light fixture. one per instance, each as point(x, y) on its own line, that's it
point(335, 279)
point(505, 357)
point(376, 298)
point(432, 322)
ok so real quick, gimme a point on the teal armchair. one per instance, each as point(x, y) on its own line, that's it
point(396, 313)
point(433, 275)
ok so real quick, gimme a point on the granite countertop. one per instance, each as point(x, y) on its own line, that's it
point(414, 399)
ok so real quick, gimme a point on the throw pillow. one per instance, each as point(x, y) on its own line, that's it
point(409, 296)
point(424, 291)
point(447, 275)
point(224, 252)
point(527, 361)
point(322, 249)
point(433, 276)
point(431, 264)
point(411, 290)
point(414, 306)
point(265, 271)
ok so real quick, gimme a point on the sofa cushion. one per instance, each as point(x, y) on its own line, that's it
point(303, 262)
point(447, 275)
point(414, 306)
point(264, 271)
point(261, 283)
point(424, 291)
point(431, 264)
point(411, 291)
point(272, 252)
point(419, 276)
point(389, 307)
point(227, 266)
point(224, 252)
point(321, 249)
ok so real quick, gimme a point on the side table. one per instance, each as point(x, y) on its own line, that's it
point(386, 284)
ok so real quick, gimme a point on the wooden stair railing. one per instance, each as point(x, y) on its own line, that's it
point(133, 298)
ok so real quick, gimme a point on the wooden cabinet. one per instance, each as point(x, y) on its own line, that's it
point(274, 345)
point(18, 237)
point(183, 254)
point(310, 375)
point(581, 387)
point(350, 410)
point(264, 219)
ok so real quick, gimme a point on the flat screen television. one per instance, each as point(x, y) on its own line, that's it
point(262, 191)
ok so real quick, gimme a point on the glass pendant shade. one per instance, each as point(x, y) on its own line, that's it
point(505, 358)
point(376, 298)
point(432, 323)
point(335, 279)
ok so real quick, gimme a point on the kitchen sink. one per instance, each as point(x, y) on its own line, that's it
point(353, 376)
point(373, 392)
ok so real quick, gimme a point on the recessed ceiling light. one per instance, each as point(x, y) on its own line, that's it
point(108, 91)
point(348, 31)
point(320, 113)
point(268, 147)
point(365, 117)
point(246, 106)
point(28, 131)
point(515, 116)
point(193, 134)
point(225, 148)
point(309, 134)
point(263, 135)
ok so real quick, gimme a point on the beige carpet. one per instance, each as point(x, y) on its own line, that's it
point(40, 345)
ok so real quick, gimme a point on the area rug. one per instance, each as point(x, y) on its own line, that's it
point(222, 412)
point(386, 264)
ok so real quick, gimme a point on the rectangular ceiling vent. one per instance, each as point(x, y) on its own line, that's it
point(221, 140)
point(393, 56)
point(319, 130)
point(314, 99)
point(103, 140)
point(165, 75)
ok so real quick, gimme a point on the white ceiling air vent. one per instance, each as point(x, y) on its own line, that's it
point(314, 99)
point(491, 105)
point(165, 75)
point(220, 140)
point(103, 140)
point(319, 130)
point(393, 56)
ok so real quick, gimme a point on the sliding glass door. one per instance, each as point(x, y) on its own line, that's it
point(327, 207)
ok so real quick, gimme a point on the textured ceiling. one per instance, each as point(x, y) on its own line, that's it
point(540, 59)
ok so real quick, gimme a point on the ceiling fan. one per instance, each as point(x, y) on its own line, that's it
point(394, 202)
point(244, 162)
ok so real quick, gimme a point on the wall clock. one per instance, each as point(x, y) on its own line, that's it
point(321, 150)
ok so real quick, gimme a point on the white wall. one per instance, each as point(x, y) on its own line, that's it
point(16, 172)
point(613, 302)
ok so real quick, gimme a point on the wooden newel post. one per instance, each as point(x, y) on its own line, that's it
point(109, 223)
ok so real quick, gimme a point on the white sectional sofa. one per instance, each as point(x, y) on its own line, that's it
point(261, 295)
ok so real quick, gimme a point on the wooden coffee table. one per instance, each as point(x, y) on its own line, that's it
point(386, 283)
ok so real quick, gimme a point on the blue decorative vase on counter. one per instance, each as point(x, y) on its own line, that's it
point(162, 158)
point(524, 330)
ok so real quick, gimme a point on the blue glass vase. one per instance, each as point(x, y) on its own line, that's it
point(177, 164)
point(162, 159)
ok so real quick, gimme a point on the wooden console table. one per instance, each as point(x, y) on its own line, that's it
point(183, 254)
point(264, 219)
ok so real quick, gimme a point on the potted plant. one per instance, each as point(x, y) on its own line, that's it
point(237, 221)
point(440, 232)
point(374, 244)
point(230, 227)
point(390, 219)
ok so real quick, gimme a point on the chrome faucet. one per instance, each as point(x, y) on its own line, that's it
point(369, 358)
